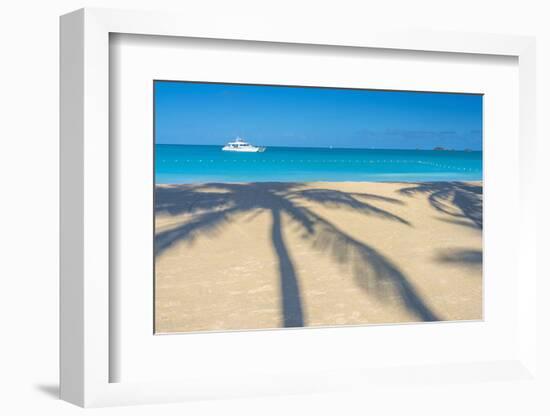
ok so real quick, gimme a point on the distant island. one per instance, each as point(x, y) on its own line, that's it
point(443, 149)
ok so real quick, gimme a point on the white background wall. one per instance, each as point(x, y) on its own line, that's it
point(29, 56)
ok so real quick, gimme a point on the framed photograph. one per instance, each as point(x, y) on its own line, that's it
point(341, 215)
point(253, 213)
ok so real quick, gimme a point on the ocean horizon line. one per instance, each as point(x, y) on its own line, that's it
point(435, 149)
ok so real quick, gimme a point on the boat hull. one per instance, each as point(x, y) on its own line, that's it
point(246, 150)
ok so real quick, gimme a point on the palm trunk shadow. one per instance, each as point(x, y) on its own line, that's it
point(290, 291)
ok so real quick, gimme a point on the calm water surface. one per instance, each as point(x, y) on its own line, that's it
point(195, 163)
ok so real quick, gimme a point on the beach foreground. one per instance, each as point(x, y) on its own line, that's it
point(272, 255)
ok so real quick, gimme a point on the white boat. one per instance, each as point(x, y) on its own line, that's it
point(239, 145)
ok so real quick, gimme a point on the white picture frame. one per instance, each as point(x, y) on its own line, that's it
point(85, 208)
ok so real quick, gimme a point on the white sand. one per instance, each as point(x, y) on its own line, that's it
point(349, 253)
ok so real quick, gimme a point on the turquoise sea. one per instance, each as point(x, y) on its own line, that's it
point(196, 163)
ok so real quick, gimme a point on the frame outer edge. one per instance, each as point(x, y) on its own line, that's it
point(72, 208)
point(96, 188)
point(528, 205)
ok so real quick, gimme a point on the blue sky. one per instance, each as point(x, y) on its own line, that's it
point(199, 113)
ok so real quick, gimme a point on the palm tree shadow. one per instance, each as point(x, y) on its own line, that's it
point(293, 315)
point(460, 200)
point(215, 205)
point(466, 257)
point(372, 271)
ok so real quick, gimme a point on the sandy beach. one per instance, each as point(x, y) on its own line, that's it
point(272, 255)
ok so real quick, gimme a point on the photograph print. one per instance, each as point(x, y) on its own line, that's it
point(288, 206)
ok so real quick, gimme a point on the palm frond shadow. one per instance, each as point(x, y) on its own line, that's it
point(465, 257)
point(372, 271)
point(215, 205)
point(461, 200)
